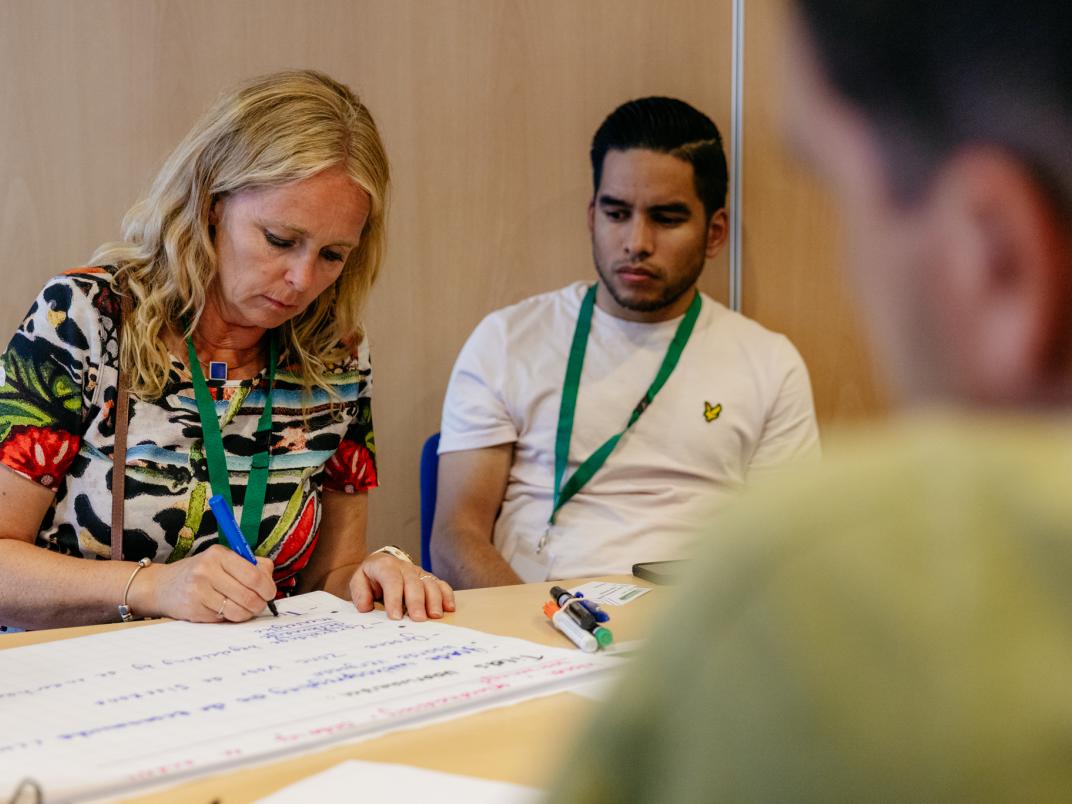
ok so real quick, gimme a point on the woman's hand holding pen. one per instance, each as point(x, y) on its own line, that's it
point(403, 587)
point(214, 585)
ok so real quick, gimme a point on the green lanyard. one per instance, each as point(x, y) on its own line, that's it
point(257, 485)
point(569, 399)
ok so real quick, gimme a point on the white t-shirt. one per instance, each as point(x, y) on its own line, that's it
point(669, 471)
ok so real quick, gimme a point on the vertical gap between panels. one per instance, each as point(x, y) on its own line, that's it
point(737, 125)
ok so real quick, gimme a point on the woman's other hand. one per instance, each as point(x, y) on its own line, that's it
point(212, 586)
point(403, 587)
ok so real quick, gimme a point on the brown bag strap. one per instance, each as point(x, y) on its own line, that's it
point(119, 452)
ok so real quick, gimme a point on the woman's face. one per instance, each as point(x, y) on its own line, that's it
point(278, 248)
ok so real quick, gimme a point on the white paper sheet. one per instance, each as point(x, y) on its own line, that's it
point(107, 713)
point(611, 594)
point(354, 780)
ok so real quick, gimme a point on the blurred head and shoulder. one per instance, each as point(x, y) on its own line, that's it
point(945, 133)
point(269, 214)
point(894, 627)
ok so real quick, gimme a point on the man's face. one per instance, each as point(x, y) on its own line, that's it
point(650, 236)
point(889, 244)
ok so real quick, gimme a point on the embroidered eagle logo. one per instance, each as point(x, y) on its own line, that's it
point(711, 412)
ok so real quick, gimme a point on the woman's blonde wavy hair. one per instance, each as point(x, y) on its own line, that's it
point(269, 131)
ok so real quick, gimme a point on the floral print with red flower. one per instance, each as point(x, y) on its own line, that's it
point(57, 392)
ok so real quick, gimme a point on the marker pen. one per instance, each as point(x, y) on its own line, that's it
point(562, 596)
point(564, 623)
point(231, 532)
point(584, 618)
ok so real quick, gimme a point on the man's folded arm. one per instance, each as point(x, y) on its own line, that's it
point(470, 492)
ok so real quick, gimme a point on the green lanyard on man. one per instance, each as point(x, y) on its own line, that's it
point(564, 433)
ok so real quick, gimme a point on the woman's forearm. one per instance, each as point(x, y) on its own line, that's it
point(40, 588)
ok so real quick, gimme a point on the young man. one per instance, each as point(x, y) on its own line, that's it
point(705, 397)
point(895, 627)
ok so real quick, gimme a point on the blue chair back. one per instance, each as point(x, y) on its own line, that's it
point(429, 478)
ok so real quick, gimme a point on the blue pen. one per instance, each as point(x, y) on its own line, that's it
point(229, 528)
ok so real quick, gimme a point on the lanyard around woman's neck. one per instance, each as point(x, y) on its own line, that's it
point(257, 484)
point(572, 383)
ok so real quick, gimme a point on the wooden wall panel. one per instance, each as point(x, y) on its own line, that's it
point(487, 108)
point(791, 279)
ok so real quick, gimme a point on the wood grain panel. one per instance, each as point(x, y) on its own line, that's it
point(487, 108)
point(791, 280)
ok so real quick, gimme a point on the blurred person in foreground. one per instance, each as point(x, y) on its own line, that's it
point(897, 626)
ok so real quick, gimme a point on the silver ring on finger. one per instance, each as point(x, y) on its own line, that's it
point(219, 613)
point(427, 575)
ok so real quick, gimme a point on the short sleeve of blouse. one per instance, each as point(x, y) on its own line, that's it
point(353, 466)
point(48, 375)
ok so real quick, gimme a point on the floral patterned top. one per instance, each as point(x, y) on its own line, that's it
point(57, 392)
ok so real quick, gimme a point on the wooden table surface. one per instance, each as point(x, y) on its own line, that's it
point(521, 743)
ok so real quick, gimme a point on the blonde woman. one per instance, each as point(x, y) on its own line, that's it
point(245, 268)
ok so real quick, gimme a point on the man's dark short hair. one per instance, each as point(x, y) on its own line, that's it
point(930, 77)
point(669, 126)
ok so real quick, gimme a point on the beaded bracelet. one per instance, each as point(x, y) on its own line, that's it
point(125, 614)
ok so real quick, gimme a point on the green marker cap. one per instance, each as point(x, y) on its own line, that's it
point(603, 636)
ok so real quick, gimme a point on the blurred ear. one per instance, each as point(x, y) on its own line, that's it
point(1000, 258)
point(591, 216)
point(717, 230)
